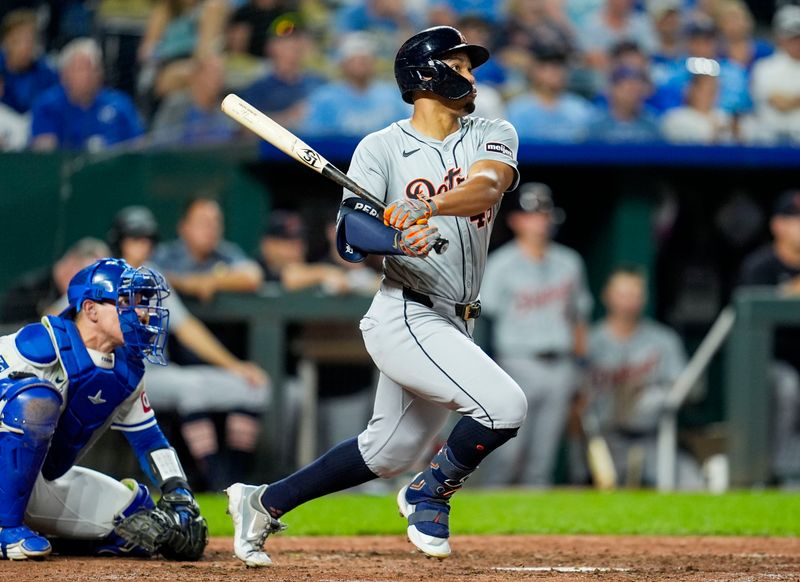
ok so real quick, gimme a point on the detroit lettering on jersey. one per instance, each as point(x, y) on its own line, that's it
point(422, 187)
point(633, 373)
point(399, 162)
point(527, 299)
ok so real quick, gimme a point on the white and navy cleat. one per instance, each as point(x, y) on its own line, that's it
point(251, 526)
point(428, 515)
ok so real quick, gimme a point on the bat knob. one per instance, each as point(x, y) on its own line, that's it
point(440, 246)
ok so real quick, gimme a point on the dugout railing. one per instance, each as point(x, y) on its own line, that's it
point(746, 329)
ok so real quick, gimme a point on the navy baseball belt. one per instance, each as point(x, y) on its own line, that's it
point(465, 311)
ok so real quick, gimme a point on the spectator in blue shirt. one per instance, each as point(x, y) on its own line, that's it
point(668, 56)
point(701, 44)
point(532, 22)
point(547, 112)
point(376, 16)
point(26, 74)
point(490, 11)
point(282, 93)
point(359, 103)
point(391, 21)
point(736, 28)
point(80, 114)
point(617, 21)
point(625, 120)
point(193, 116)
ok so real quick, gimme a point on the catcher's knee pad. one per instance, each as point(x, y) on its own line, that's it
point(29, 411)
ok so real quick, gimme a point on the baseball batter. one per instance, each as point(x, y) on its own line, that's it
point(442, 173)
point(536, 293)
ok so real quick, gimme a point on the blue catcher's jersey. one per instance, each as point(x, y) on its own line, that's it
point(99, 390)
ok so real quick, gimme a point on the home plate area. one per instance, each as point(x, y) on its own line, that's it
point(475, 558)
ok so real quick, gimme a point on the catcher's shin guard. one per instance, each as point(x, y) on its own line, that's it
point(425, 502)
point(29, 411)
point(251, 523)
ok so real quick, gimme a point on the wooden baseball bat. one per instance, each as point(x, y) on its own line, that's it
point(271, 131)
point(598, 455)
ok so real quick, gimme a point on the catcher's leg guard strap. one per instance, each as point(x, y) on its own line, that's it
point(29, 410)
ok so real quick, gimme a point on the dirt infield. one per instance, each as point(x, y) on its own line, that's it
point(478, 559)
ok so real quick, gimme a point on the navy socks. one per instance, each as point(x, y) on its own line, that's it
point(340, 468)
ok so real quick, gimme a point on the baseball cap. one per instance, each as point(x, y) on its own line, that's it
point(624, 72)
point(787, 204)
point(356, 44)
point(550, 51)
point(537, 197)
point(534, 197)
point(658, 8)
point(626, 45)
point(700, 27)
point(134, 222)
point(284, 224)
point(787, 21)
point(287, 24)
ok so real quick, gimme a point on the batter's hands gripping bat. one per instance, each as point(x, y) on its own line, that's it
point(271, 131)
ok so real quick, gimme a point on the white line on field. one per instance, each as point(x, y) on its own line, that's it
point(561, 569)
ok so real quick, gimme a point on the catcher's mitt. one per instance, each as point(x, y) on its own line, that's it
point(175, 529)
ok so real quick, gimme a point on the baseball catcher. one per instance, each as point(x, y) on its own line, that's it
point(63, 382)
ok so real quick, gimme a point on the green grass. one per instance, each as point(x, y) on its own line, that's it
point(759, 513)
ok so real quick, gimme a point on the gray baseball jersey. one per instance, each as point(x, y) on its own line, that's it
point(535, 304)
point(631, 377)
point(428, 362)
point(399, 162)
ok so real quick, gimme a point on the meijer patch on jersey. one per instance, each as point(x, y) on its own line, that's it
point(500, 148)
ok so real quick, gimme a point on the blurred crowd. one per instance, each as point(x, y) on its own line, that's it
point(89, 74)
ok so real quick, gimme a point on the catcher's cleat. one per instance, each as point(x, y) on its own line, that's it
point(251, 524)
point(428, 521)
point(22, 543)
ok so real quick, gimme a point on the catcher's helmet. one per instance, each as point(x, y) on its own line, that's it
point(131, 291)
point(418, 67)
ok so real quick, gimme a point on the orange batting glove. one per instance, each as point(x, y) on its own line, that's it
point(417, 240)
point(401, 214)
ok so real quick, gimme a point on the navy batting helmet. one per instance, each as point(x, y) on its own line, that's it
point(418, 67)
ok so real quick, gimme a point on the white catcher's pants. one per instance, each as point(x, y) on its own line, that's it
point(429, 365)
point(81, 504)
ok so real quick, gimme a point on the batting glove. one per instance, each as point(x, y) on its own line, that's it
point(418, 239)
point(401, 214)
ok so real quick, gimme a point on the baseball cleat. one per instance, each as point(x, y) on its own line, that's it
point(428, 524)
point(251, 526)
point(22, 543)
